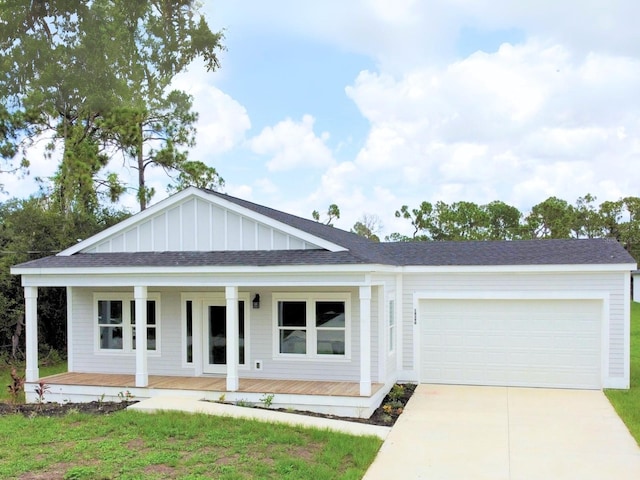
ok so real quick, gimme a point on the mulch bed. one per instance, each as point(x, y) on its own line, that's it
point(61, 409)
point(379, 417)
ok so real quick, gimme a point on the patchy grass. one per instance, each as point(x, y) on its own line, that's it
point(5, 377)
point(130, 445)
point(627, 402)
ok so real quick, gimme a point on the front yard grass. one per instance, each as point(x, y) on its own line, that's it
point(133, 445)
point(627, 402)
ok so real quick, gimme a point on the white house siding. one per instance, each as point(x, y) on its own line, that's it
point(198, 225)
point(87, 359)
point(260, 338)
point(584, 282)
point(384, 363)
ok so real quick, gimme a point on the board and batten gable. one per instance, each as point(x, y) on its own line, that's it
point(199, 225)
point(614, 286)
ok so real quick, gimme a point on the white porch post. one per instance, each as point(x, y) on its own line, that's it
point(142, 374)
point(231, 294)
point(365, 341)
point(31, 333)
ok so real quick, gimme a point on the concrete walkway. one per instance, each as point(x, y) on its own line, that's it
point(162, 403)
point(495, 433)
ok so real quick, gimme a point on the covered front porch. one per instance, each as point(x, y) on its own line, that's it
point(336, 398)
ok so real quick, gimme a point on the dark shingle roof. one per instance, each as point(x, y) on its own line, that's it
point(517, 252)
point(360, 251)
point(523, 252)
point(196, 259)
point(356, 244)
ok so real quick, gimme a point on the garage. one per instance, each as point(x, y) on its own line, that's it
point(528, 343)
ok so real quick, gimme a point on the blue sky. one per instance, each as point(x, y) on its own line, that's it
point(372, 104)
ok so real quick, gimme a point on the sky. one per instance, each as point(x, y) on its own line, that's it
point(375, 104)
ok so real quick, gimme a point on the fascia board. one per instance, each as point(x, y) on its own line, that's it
point(169, 271)
point(511, 295)
point(612, 267)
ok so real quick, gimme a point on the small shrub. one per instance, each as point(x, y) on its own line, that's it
point(387, 418)
point(16, 386)
point(125, 396)
point(243, 403)
point(267, 400)
point(396, 393)
point(49, 356)
point(40, 391)
point(222, 398)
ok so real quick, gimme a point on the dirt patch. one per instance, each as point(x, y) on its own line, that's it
point(52, 472)
point(163, 471)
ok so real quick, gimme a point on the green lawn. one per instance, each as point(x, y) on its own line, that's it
point(134, 445)
point(627, 402)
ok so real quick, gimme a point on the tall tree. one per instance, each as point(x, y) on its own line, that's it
point(503, 221)
point(421, 219)
point(630, 230)
point(333, 213)
point(550, 219)
point(369, 226)
point(587, 220)
point(194, 173)
point(71, 65)
point(461, 221)
point(611, 213)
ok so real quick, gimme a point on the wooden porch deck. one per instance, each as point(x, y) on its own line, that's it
point(210, 383)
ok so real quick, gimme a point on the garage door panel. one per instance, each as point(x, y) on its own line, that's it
point(553, 343)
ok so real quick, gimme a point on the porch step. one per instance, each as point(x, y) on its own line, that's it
point(164, 403)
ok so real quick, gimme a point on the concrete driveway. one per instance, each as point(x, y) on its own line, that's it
point(458, 432)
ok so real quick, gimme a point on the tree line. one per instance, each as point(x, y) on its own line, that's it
point(551, 218)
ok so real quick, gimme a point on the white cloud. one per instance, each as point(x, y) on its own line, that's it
point(222, 121)
point(403, 35)
point(520, 124)
point(293, 145)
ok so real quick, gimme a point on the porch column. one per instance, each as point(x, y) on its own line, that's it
point(231, 294)
point(32, 373)
point(365, 341)
point(142, 374)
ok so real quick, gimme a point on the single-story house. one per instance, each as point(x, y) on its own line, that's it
point(211, 296)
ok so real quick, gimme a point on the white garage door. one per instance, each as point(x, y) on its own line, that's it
point(534, 343)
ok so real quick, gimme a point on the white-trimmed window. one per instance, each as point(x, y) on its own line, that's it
point(392, 326)
point(312, 325)
point(110, 325)
point(115, 322)
point(152, 326)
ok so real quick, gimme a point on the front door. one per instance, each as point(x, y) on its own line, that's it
point(215, 338)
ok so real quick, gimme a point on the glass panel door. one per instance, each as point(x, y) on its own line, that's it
point(215, 336)
point(217, 329)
